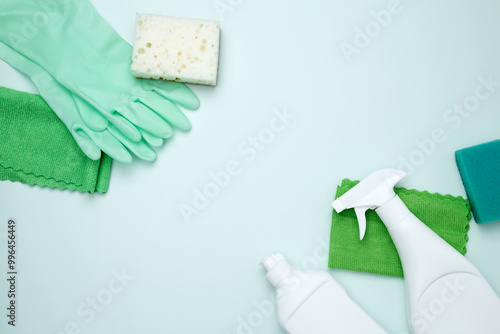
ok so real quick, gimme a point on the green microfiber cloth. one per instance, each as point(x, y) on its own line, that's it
point(36, 147)
point(480, 170)
point(448, 216)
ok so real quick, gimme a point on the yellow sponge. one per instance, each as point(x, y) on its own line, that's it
point(176, 49)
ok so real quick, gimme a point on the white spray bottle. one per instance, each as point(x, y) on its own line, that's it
point(445, 292)
point(313, 302)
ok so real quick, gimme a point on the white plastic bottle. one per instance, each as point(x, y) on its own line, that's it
point(312, 302)
point(445, 292)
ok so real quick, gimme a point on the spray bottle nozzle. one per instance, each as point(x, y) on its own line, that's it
point(371, 193)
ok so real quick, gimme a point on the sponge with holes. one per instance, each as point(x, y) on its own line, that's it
point(480, 170)
point(176, 49)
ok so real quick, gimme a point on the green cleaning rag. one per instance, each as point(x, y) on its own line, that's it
point(448, 216)
point(36, 147)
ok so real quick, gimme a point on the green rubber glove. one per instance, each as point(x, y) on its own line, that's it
point(63, 102)
point(81, 51)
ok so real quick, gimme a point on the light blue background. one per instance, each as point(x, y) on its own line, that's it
point(350, 120)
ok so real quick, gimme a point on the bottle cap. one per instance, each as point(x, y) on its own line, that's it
point(277, 268)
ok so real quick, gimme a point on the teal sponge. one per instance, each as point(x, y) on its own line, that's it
point(480, 169)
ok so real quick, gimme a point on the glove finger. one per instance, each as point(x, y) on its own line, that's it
point(141, 149)
point(86, 145)
point(151, 139)
point(90, 116)
point(166, 109)
point(145, 118)
point(125, 127)
point(108, 144)
point(178, 93)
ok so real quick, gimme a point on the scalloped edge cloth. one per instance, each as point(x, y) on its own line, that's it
point(446, 215)
point(36, 148)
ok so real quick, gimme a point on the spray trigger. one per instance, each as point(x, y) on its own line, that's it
point(360, 214)
point(371, 193)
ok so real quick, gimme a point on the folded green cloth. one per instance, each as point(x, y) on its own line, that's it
point(36, 147)
point(448, 216)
